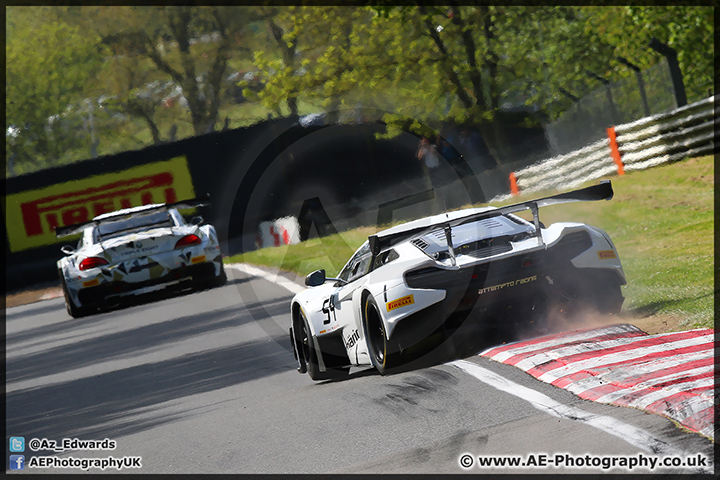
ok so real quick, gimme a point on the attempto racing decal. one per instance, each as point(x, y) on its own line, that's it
point(33, 215)
point(606, 254)
point(520, 281)
point(400, 302)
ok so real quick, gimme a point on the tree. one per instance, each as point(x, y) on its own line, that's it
point(306, 57)
point(422, 66)
point(451, 62)
point(473, 61)
point(689, 29)
point(188, 46)
point(285, 42)
point(48, 69)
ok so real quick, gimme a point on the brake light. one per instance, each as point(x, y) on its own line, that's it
point(92, 262)
point(188, 240)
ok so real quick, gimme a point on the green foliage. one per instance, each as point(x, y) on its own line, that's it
point(160, 73)
point(329, 253)
point(48, 68)
point(687, 29)
point(417, 67)
point(464, 63)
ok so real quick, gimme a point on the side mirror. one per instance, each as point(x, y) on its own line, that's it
point(315, 278)
point(67, 249)
point(318, 277)
point(196, 220)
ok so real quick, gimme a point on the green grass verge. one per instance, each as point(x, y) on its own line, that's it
point(662, 223)
point(660, 219)
point(329, 252)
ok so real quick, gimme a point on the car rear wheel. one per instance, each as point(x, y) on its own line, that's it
point(206, 281)
point(310, 358)
point(74, 310)
point(221, 279)
point(608, 298)
point(597, 291)
point(384, 354)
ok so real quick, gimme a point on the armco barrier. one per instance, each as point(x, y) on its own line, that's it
point(684, 132)
point(655, 140)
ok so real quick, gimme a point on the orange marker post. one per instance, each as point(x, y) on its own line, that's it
point(513, 184)
point(615, 151)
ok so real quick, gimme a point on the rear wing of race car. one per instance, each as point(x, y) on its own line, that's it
point(601, 191)
point(68, 230)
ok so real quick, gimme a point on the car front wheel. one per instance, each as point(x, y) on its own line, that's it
point(310, 357)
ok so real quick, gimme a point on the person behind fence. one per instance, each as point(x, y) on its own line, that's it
point(429, 160)
point(445, 149)
point(473, 148)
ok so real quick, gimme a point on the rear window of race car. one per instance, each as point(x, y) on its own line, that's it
point(157, 219)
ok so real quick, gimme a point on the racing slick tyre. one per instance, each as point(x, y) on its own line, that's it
point(297, 347)
point(310, 358)
point(598, 291)
point(384, 354)
point(72, 309)
point(608, 298)
point(221, 279)
point(207, 282)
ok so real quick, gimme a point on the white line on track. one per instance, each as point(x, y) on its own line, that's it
point(256, 272)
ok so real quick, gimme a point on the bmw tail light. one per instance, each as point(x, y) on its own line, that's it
point(92, 262)
point(188, 240)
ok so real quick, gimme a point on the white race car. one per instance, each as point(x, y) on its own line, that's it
point(429, 276)
point(135, 251)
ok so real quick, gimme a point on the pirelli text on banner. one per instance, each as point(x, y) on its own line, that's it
point(32, 216)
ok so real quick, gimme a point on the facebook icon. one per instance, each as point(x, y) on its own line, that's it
point(17, 462)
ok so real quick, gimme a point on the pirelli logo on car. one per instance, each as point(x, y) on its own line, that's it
point(514, 283)
point(606, 254)
point(400, 302)
point(33, 215)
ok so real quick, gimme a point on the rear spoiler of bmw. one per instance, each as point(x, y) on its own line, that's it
point(602, 191)
point(68, 230)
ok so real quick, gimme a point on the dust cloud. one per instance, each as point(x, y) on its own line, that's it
point(559, 320)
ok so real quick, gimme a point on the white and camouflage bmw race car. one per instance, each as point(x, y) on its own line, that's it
point(135, 251)
point(429, 276)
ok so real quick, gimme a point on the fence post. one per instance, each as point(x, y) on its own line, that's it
point(615, 151)
point(608, 94)
point(675, 72)
point(640, 81)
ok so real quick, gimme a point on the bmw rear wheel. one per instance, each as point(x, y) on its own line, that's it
point(72, 309)
point(221, 279)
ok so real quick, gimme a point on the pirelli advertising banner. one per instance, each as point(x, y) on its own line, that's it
point(32, 215)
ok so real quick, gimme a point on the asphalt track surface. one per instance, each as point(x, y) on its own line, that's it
point(205, 382)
